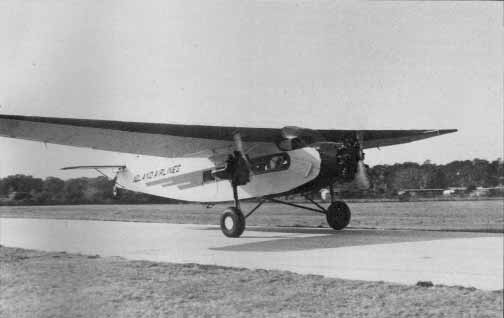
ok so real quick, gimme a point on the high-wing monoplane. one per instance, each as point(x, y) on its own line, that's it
point(218, 164)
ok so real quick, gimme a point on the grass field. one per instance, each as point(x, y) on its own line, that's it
point(40, 284)
point(484, 216)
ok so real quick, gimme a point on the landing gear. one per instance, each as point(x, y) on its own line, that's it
point(116, 192)
point(338, 215)
point(238, 171)
point(232, 222)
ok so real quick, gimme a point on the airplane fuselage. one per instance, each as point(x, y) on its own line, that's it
point(192, 179)
point(279, 172)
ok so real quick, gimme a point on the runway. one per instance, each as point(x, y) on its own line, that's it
point(449, 258)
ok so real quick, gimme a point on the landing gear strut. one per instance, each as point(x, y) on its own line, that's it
point(232, 221)
point(237, 170)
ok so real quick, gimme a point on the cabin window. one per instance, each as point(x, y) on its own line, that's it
point(259, 165)
point(271, 163)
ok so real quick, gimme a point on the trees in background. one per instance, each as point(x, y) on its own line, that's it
point(388, 179)
point(385, 181)
point(21, 189)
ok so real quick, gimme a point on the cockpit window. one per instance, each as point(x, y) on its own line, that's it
point(271, 163)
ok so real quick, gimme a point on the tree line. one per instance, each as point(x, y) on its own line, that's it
point(385, 181)
point(388, 179)
point(22, 189)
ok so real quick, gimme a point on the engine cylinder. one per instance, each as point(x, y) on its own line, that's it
point(339, 160)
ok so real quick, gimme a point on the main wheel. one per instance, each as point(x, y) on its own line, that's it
point(232, 222)
point(338, 215)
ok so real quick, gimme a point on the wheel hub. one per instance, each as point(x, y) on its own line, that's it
point(229, 223)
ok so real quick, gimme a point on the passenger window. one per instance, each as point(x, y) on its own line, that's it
point(259, 165)
point(270, 163)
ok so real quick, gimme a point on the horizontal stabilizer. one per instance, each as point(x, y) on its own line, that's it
point(94, 167)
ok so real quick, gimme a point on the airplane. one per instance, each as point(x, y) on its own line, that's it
point(211, 164)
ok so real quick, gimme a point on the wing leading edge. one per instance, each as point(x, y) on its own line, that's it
point(174, 140)
point(382, 138)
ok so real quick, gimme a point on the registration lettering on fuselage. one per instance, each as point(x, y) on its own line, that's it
point(157, 173)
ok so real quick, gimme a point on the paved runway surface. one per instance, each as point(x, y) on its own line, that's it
point(450, 258)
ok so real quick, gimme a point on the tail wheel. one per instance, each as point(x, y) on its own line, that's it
point(232, 222)
point(338, 215)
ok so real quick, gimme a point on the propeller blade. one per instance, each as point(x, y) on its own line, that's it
point(238, 142)
point(239, 147)
point(361, 177)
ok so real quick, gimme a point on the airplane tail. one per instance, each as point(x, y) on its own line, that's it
point(116, 188)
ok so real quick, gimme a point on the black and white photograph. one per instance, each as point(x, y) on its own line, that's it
point(239, 158)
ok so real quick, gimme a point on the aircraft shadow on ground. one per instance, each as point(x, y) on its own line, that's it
point(327, 238)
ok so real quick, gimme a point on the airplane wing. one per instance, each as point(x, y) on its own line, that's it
point(382, 138)
point(175, 140)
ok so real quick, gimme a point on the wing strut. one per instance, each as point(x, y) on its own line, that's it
point(120, 167)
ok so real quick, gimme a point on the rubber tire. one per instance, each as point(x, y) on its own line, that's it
point(238, 222)
point(338, 215)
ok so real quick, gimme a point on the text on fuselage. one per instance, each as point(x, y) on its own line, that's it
point(157, 173)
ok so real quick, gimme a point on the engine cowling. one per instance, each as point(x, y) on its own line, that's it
point(339, 160)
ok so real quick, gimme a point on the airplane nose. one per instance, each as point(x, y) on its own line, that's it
point(339, 162)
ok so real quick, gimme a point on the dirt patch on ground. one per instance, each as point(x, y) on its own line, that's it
point(42, 284)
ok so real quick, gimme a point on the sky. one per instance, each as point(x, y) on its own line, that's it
point(314, 64)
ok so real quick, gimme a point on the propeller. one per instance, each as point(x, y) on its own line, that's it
point(239, 146)
point(309, 136)
point(361, 179)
